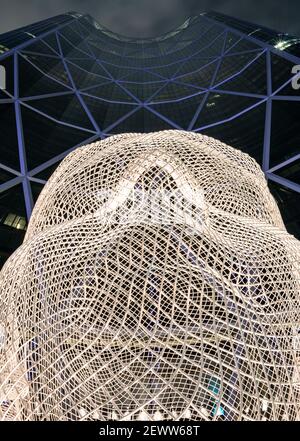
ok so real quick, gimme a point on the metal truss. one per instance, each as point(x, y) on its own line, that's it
point(89, 49)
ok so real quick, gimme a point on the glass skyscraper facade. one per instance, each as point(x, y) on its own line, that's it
point(69, 81)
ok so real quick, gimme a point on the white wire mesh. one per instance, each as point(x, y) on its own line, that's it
point(156, 281)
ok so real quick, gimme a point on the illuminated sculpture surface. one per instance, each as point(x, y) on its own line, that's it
point(156, 281)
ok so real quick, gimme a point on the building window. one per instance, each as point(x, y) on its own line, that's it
point(15, 221)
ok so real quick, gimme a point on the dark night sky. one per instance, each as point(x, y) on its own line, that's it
point(143, 18)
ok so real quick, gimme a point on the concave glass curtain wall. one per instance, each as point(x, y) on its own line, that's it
point(70, 81)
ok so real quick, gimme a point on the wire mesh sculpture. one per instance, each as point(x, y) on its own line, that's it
point(156, 281)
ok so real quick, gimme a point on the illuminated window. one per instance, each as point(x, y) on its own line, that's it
point(285, 44)
point(15, 221)
point(3, 49)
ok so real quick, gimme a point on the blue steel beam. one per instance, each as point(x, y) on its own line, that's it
point(285, 182)
point(21, 144)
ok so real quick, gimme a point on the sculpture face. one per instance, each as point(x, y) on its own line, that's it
point(156, 280)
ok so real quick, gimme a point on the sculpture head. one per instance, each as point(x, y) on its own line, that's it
point(156, 280)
